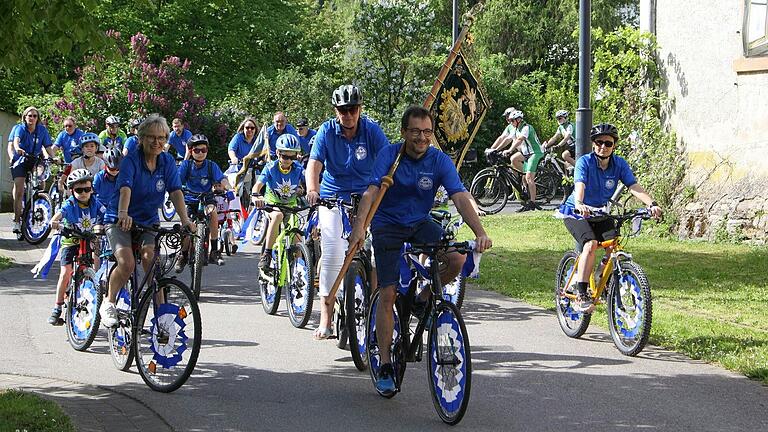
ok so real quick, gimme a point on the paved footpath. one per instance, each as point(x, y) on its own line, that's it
point(256, 372)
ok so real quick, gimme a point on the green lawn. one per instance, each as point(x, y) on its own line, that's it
point(708, 298)
point(20, 411)
point(5, 262)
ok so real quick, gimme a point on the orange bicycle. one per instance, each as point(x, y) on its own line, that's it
point(618, 281)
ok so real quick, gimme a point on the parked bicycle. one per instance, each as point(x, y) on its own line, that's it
point(37, 208)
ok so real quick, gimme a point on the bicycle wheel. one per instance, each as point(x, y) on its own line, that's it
point(35, 221)
point(396, 349)
point(83, 318)
point(356, 295)
point(259, 228)
point(55, 195)
point(169, 334)
point(168, 210)
point(269, 286)
point(630, 309)
point(573, 323)
point(121, 336)
point(454, 291)
point(547, 184)
point(228, 240)
point(449, 363)
point(300, 293)
point(489, 191)
point(198, 259)
point(340, 320)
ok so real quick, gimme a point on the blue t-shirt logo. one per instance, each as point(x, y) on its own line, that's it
point(361, 153)
point(610, 184)
point(160, 185)
point(425, 183)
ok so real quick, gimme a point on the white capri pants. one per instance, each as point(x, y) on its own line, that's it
point(334, 247)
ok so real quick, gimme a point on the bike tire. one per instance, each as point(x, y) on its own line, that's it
point(55, 195)
point(630, 309)
point(168, 210)
point(356, 297)
point(547, 185)
point(573, 323)
point(82, 319)
point(227, 239)
point(454, 291)
point(121, 336)
point(35, 221)
point(489, 191)
point(259, 228)
point(198, 259)
point(270, 288)
point(161, 363)
point(300, 292)
point(449, 363)
point(340, 321)
point(396, 349)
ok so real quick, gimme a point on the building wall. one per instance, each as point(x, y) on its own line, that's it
point(719, 111)
point(7, 121)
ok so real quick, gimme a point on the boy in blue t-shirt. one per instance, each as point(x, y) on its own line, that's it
point(83, 211)
point(105, 182)
point(283, 178)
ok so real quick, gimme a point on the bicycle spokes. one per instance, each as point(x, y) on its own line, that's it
point(168, 340)
point(630, 305)
point(449, 363)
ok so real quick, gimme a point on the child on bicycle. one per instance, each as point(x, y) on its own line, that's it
point(105, 182)
point(83, 211)
point(89, 144)
point(198, 174)
point(283, 178)
point(223, 210)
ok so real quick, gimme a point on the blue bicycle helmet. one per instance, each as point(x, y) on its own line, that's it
point(89, 137)
point(288, 142)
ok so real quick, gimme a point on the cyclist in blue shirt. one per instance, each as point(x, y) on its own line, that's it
point(305, 134)
point(403, 216)
point(145, 176)
point(105, 182)
point(279, 127)
point(112, 136)
point(178, 139)
point(240, 146)
point(68, 139)
point(346, 147)
point(596, 177)
point(81, 210)
point(133, 140)
point(198, 174)
point(283, 179)
point(28, 138)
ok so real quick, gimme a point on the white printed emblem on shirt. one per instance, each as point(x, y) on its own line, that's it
point(425, 183)
point(203, 181)
point(361, 153)
point(610, 183)
point(160, 185)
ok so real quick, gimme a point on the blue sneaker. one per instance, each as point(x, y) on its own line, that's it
point(385, 384)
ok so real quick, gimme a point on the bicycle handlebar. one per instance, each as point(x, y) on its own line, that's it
point(432, 248)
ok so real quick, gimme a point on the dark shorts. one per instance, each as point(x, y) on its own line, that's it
point(584, 230)
point(572, 150)
point(119, 239)
point(389, 239)
point(67, 255)
point(22, 169)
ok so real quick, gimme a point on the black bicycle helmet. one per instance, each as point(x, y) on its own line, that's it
point(197, 139)
point(113, 157)
point(302, 122)
point(604, 129)
point(346, 95)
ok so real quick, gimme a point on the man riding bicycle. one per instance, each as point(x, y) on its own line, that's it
point(566, 134)
point(404, 216)
point(595, 180)
point(112, 136)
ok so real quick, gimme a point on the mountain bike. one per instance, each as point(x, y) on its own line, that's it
point(618, 280)
point(449, 363)
point(158, 321)
point(37, 209)
point(84, 292)
point(291, 269)
point(55, 193)
point(203, 205)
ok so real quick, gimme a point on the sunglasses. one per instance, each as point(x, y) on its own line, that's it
point(32, 115)
point(250, 127)
point(69, 126)
point(202, 150)
point(347, 109)
point(83, 190)
point(606, 144)
point(289, 157)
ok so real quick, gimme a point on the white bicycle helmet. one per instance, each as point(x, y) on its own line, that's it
point(508, 111)
point(561, 113)
point(517, 114)
point(113, 120)
point(77, 176)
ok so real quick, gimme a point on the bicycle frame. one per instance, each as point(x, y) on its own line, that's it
point(290, 227)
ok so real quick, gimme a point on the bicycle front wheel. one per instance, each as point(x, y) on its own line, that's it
point(82, 318)
point(489, 191)
point(121, 336)
point(630, 309)
point(168, 210)
point(269, 286)
point(573, 323)
point(35, 222)
point(169, 333)
point(356, 297)
point(198, 259)
point(300, 292)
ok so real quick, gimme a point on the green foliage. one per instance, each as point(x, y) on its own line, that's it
point(21, 411)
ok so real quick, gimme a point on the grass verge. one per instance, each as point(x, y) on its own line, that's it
point(5, 262)
point(25, 411)
point(708, 298)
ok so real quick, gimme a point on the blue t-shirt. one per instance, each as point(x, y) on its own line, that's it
point(69, 143)
point(31, 142)
point(281, 188)
point(305, 142)
point(104, 188)
point(411, 196)
point(83, 217)
point(147, 188)
point(273, 135)
point(132, 143)
point(179, 143)
point(240, 145)
point(199, 179)
point(348, 163)
point(600, 184)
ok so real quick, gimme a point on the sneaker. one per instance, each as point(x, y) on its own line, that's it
point(385, 383)
point(265, 261)
point(16, 227)
point(108, 312)
point(234, 249)
point(181, 263)
point(525, 207)
point(215, 258)
point(535, 206)
point(584, 304)
point(55, 318)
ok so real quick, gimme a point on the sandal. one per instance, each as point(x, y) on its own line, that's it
point(322, 333)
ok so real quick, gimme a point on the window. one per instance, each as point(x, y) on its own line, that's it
point(756, 27)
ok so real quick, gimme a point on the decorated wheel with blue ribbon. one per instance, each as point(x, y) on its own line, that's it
point(396, 349)
point(169, 336)
point(259, 231)
point(300, 292)
point(269, 286)
point(36, 220)
point(121, 336)
point(454, 291)
point(629, 309)
point(449, 363)
point(573, 323)
point(356, 298)
point(168, 210)
point(82, 318)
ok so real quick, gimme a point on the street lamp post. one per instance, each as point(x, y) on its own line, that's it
point(584, 112)
point(455, 20)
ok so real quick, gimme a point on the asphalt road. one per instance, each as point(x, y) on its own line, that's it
point(257, 372)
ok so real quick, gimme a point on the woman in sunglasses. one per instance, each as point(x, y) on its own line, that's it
point(595, 180)
point(239, 147)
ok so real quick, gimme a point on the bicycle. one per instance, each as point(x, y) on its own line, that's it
point(158, 321)
point(228, 230)
point(290, 268)
point(56, 195)
point(84, 293)
point(37, 209)
point(628, 292)
point(168, 210)
point(198, 254)
point(449, 363)
point(453, 291)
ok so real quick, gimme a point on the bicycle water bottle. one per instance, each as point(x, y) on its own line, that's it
point(599, 269)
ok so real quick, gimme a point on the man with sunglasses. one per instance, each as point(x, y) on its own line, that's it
point(305, 135)
point(346, 147)
point(198, 174)
point(68, 140)
point(279, 127)
point(596, 177)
